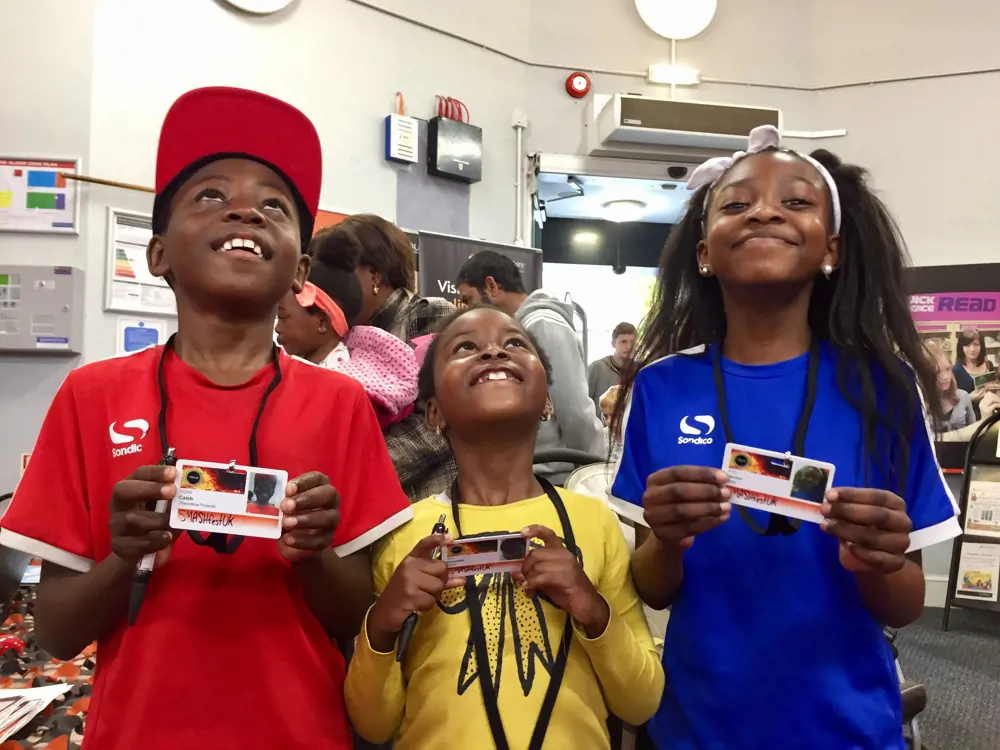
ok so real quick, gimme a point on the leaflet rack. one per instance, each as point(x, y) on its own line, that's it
point(981, 475)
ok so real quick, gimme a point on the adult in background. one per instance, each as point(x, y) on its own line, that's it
point(317, 324)
point(492, 278)
point(970, 363)
point(607, 372)
point(386, 267)
point(387, 272)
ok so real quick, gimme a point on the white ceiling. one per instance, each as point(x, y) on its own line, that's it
point(662, 205)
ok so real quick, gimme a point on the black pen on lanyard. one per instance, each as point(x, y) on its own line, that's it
point(143, 571)
point(406, 632)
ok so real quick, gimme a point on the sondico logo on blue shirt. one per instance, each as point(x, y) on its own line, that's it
point(699, 433)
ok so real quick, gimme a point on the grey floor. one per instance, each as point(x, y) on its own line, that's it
point(961, 669)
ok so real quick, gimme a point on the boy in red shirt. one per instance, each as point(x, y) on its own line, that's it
point(233, 645)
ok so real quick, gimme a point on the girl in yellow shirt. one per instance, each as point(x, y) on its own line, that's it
point(510, 660)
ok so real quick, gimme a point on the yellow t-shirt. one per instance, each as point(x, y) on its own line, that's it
point(435, 699)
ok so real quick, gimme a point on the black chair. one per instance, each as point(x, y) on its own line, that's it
point(914, 696)
point(12, 566)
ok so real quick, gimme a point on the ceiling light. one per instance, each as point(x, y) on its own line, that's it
point(676, 19)
point(679, 75)
point(588, 239)
point(260, 7)
point(622, 211)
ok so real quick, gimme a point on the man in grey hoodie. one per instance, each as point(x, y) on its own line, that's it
point(490, 278)
point(608, 371)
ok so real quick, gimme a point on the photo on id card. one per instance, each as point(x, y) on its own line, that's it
point(775, 482)
point(242, 500)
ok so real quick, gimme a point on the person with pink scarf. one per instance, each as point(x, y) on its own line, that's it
point(314, 325)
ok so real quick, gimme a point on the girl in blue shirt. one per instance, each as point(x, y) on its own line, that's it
point(780, 322)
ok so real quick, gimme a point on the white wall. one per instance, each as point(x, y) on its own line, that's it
point(498, 24)
point(44, 111)
point(930, 144)
point(743, 45)
point(747, 41)
point(339, 62)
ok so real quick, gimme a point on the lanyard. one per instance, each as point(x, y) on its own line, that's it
point(776, 524)
point(221, 543)
point(479, 637)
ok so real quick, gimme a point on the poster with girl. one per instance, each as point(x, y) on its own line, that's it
point(962, 334)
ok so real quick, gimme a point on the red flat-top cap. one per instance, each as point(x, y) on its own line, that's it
point(228, 121)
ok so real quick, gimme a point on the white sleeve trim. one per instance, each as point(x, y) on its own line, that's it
point(45, 551)
point(939, 532)
point(374, 534)
point(625, 509)
point(950, 527)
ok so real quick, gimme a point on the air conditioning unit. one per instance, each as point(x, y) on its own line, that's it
point(641, 127)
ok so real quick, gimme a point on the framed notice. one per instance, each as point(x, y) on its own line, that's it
point(131, 288)
point(136, 334)
point(36, 196)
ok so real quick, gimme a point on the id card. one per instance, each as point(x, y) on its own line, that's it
point(501, 553)
point(985, 379)
point(777, 482)
point(229, 499)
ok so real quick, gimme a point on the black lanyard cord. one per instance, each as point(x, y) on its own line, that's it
point(478, 635)
point(221, 543)
point(776, 524)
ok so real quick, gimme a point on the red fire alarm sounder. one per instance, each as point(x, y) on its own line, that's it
point(578, 85)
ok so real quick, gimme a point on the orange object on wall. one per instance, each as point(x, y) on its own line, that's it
point(326, 219)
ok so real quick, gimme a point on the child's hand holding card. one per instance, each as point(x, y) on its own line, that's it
point(873, 527)
point(310, 516)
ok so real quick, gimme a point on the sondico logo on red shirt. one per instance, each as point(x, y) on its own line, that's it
point(131, 442)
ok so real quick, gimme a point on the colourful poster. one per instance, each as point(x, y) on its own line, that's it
point(961, 331)
point(36, 196)
point(978, 570)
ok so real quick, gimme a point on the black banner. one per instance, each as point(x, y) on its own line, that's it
point(441, 256)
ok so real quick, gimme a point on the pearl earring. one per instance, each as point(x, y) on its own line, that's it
point(705, 270)
point(827, 270)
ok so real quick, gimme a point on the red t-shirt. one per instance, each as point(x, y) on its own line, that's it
point(226, 652)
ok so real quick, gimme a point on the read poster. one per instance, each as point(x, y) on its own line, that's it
point(962, 333)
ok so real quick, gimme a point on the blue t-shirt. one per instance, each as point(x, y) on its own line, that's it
point(769, 645)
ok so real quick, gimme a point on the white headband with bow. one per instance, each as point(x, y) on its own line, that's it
point(762, 138)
